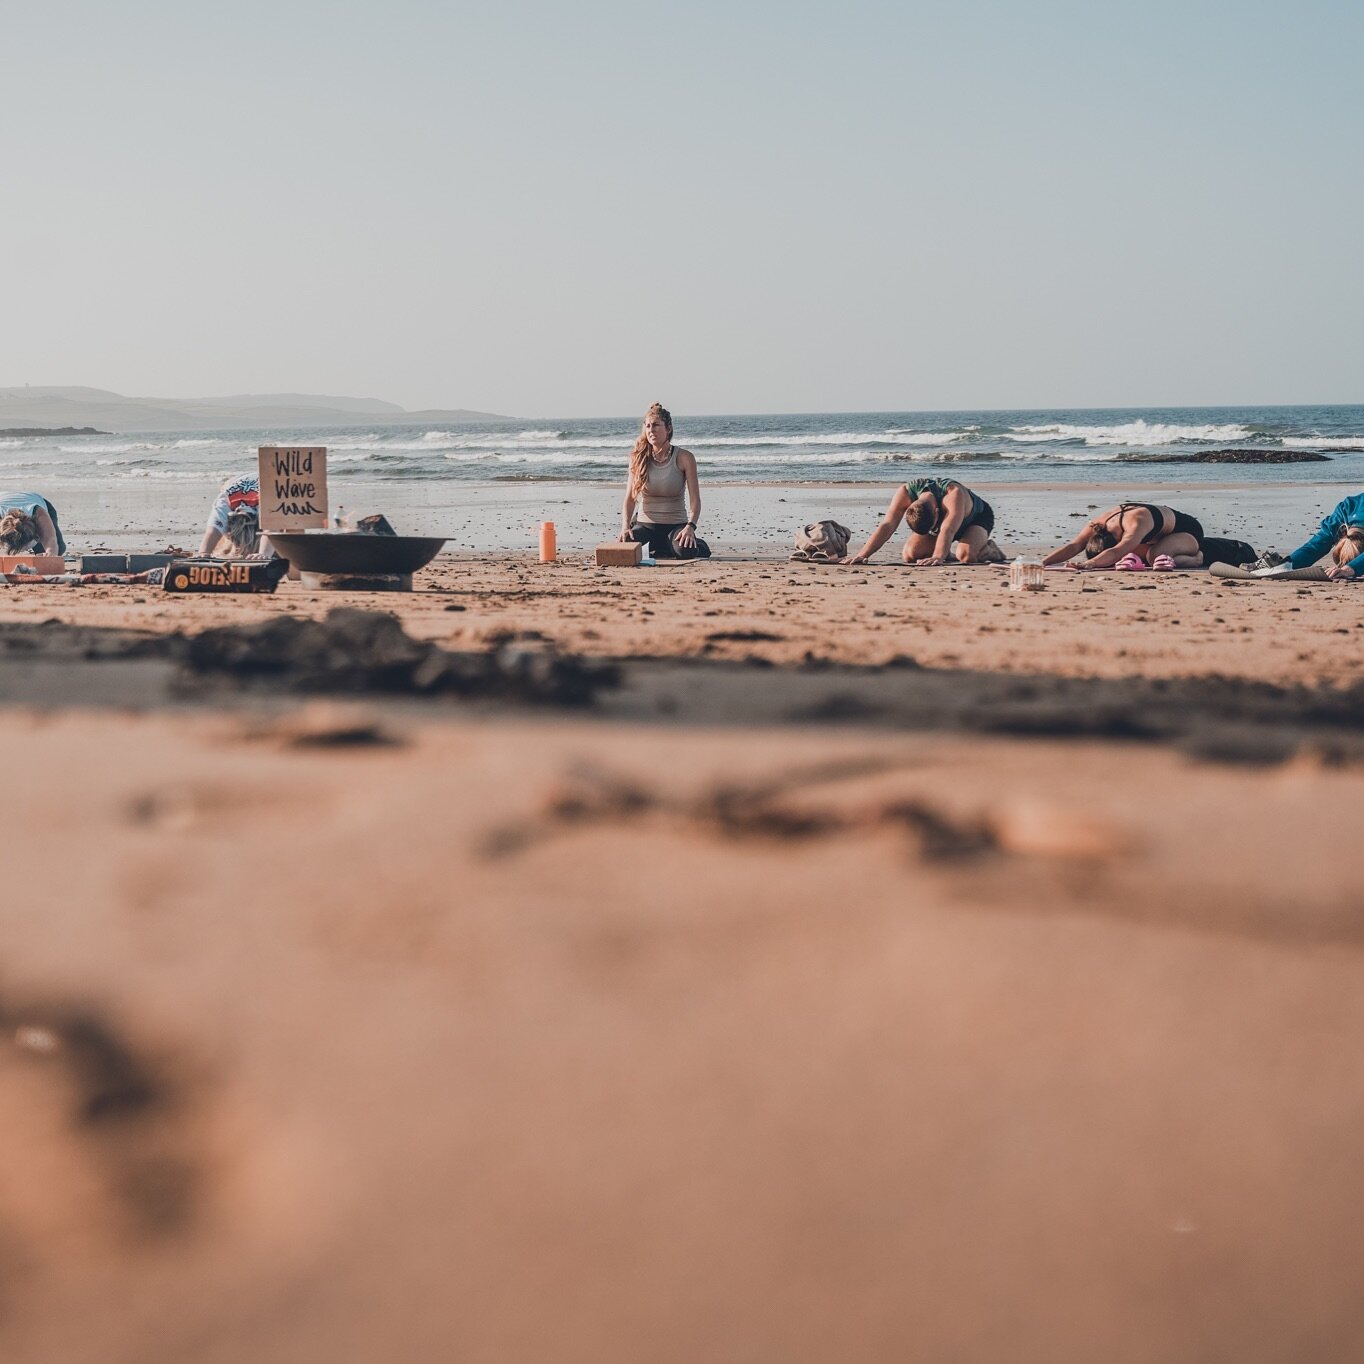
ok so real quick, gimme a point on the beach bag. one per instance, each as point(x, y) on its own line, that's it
point(1222, 551)
point(374, 525)
point(823, 542)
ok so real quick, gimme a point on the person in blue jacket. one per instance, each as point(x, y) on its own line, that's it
point(1342, 532)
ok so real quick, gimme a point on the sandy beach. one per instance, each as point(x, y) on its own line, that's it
point(823, 962)
point(743, 960)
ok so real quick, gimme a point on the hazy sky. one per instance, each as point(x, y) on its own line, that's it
point(568, 209)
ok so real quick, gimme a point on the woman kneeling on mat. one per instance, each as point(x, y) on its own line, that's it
point(654, 512)
point(946, 521)
point(1136, 535)
point(1342, 532)
point(28, 524)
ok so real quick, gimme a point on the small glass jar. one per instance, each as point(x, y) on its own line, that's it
point(1026, 575)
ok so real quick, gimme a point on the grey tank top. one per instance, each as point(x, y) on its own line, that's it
point(662, 504)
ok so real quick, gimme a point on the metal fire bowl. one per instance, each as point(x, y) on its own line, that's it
point(358, 555)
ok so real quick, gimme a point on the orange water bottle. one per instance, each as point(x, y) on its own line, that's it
point(548, 543)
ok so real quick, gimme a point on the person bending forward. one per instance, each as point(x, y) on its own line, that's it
point(654, 511)
point(235, 518)
point(1342, 532)
point(946, 521)
point(1159, 536)
point(28, 524)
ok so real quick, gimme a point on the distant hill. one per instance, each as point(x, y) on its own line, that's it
point(52, 431)
point(76, 406)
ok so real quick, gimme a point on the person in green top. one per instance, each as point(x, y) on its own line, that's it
point(947, 522)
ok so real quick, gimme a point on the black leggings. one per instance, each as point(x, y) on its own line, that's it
point(56, 526)
point(660, 542)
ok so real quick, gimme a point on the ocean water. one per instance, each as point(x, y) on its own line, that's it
point(487, 484)
point(1092, 446)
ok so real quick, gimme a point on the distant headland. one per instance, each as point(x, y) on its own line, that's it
point(69, 407)
point(52, 431)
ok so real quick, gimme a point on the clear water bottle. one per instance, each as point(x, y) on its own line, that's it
point(1026, 575)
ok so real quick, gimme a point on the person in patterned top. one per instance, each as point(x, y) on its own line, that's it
point(235, 517)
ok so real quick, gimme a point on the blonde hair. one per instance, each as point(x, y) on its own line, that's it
point(243, 531)
point(639, 456)
point(1349, 544)
point(18, 530)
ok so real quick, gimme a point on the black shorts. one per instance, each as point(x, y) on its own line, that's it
point(982, 515)
point(1188, 525)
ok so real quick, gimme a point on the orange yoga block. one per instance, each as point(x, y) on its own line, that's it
point(620, 554)
point(39, 563)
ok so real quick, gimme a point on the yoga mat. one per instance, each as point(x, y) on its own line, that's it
point(1299, 575)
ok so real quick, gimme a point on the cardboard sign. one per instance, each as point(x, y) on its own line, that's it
point(293, 487)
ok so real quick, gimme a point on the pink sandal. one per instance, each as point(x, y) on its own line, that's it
point(1132, 563)
point(1163, 562)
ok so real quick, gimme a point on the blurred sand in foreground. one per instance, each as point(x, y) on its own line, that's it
point(501, 1034)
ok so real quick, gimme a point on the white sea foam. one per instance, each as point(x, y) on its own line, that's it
point(964, 433)
point(441, 438)
point(438, 441)
point(1323, 442)
point(1129, 433)
point(550, 442)
point(122, 448)
point(1072, 456)
point(835, 438)
point(604, 459)
point(196, 443)
point(171, 475)
point(614, 459)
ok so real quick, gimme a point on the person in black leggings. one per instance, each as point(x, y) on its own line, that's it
point(663, 493)
point(1160, 536)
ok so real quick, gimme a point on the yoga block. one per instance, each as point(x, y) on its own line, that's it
point(140, 563)
point(103, 563)
point(125, 563)
point(620, 554)
point(39, 563)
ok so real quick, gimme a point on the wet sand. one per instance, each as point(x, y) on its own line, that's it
point(870, 964)
point(743, 520)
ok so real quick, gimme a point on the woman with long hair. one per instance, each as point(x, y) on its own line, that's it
point(662, 494)
point(1136, 535)
point(1341, 532)
point(235, 519)
point(28, 525)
